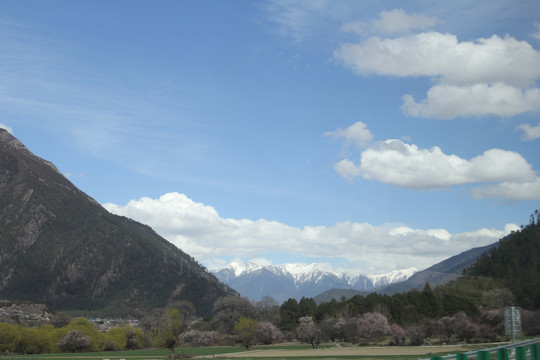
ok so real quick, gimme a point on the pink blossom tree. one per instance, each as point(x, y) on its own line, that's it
point(268, 333)
point(373, 326)
point(398, 334)
point(308, 331)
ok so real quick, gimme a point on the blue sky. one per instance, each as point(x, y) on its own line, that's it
point(368, 136)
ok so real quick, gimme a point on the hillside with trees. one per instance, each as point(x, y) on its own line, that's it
point(515, 263)
point(60, 247)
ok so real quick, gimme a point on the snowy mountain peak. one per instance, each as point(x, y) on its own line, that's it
point(295, 280)
point(392, 277)
point(239, 268)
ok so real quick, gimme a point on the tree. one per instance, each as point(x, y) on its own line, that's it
point(290, 313)
point(308, 306)
point(373, 326)
point(75, 341)
point(88, 329)
point(228, 311)
point(330, 329)
point(498, 298)
point(267, 310)
point(429, 304)
point(309, 332)
point(268, 333)
point(246, 328)
point(398, 334)
point(466, 329)
point(172, 330)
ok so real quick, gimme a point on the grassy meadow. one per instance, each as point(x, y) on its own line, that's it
point(274, 352)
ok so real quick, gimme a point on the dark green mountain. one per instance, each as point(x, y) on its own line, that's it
point(60, 247)
point(515, 263)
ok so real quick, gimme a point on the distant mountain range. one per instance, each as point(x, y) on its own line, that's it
point(438, 274)
point(282, 282)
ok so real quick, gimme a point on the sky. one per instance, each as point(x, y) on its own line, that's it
point(367, 136)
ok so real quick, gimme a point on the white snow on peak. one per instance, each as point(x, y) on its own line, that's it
point(297, 269)
point(243, 267)
point(392, 277)
point(302, 272)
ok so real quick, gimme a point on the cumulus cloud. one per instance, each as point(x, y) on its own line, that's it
point(5, 127)
point(530, 132)
point(489, 76)
point(199, 230)
point(357, 134)
point(398, 163)
point(478, 99)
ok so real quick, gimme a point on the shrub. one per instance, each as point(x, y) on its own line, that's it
point(75, 341)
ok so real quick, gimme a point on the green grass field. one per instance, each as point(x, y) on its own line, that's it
point(293, 351)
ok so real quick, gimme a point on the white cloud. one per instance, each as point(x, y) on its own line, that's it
point(405, 165)
point(434, 54)
point(390, 22)
point(357, 134)
point(530, 132)
point(451, 101)
point(347, 169)
point(199, 230)
point(510, 190)
point(489, 76)
point(5, 127)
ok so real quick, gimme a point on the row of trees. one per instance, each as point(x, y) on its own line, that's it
point(237, 320)
point(79, 335)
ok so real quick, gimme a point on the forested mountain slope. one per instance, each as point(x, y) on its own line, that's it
point(60, 247)
point(515, 262)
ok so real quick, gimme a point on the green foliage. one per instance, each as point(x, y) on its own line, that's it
point(290, 313)
point(122, 338)
point(515, 262)
point(87, 328)
point(246, 328)
point(78, 336)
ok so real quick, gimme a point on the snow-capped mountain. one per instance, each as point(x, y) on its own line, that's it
point(282, 282)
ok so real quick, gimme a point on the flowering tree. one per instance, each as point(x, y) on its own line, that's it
point(74, 341)
point(398, 334)
point(199, 338)
point(373, 326)
point(466, 329)
point(308, 331)
point(268, 333)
